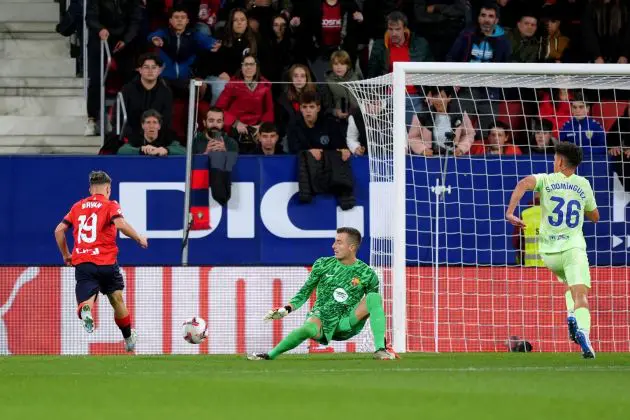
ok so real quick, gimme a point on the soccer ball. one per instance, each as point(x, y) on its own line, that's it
point(195, 330)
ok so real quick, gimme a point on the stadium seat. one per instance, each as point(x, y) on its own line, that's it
point(607, 112)
point(511, 113)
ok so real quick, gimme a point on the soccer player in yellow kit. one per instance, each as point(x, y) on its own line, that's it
point(566, 199)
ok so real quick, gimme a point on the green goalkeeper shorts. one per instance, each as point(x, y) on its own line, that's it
point(345, 332)
point(570, 266)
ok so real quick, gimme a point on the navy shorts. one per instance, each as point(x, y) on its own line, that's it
point(92, 278)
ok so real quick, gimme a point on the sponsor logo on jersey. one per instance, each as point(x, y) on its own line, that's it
point(340, 295)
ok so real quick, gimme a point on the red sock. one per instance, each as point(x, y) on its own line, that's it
point(123, 322)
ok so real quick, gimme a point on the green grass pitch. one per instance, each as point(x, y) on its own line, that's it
point(506, 386)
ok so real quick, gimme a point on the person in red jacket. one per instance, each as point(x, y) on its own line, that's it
point(246, 100)
point(498, 142)
point(555, 106)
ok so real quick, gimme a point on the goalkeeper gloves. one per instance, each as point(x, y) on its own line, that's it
point(278, 313)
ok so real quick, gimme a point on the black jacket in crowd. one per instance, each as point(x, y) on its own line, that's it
point(329, 175)
point(138, 100)
point(326, 134)
point(122, 18)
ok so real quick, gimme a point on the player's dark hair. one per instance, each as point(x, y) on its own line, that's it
point(177, 9)
point(214, 109)
point(149, 57)
point(307, 97)
point(572, 153)
point(267, 127)
point(353, 234)
point(151, 113)
point(398, 16)
point(99, 178)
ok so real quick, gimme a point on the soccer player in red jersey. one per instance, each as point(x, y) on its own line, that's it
point(95, 221)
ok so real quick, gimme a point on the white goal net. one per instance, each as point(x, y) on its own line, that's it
point(447, 144)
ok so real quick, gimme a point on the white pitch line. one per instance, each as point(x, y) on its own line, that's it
point(471, 369)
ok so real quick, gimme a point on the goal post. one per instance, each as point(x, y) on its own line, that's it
point(390, 162)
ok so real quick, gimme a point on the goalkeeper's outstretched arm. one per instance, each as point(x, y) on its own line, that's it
point(526, 184)
point(301, 296)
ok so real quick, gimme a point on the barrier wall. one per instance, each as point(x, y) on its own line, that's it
point(264, 224)
point(479, 308)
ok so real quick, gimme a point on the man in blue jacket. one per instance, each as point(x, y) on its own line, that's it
point(483, 43)
point(584, 131)
point(178, 50)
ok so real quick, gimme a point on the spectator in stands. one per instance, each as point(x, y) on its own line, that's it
point(443, 127)
point(526, 46)
point(148, 91)
point(483, 43)
point(179, 48)
point(247, 102)
point(510, 11)
point(213, 138)
point(554, 42)
point(606, 31)
point(268, 144)
point(374, 26)
point(237, 41)
point(71, 23)
point(282, 46)
point(439, 22)
point(379, 119)
point(117, 22)
point(555, 106)
point(341, 101)
point(324, 26)
point(618, 140)
point(356, 136)
point(263, 12)
point(542, 140)
point(399, 45)
point(152, 141)
point(498, 142)
point(584, 130)
point(315, 131)
point(208, 10)
point(289, 101)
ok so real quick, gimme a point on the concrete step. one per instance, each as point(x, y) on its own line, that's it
point(37, 67)
point(54, 106)
point(29, 12)
point(11, 125)
point(39, 145)
point(41, 86)
point(16, 29)
point(32, 48)
point(42, 82)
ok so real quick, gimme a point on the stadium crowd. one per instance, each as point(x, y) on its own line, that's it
point(243, 48)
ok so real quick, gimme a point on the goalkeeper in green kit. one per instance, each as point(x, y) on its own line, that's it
point(347, 295)
point(566, 199)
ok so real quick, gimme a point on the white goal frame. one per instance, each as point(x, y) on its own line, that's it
point(400, 72)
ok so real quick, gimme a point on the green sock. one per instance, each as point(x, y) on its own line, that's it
point(294, 339)
point(583, 317)
point(377, 319)
point(570, 304)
